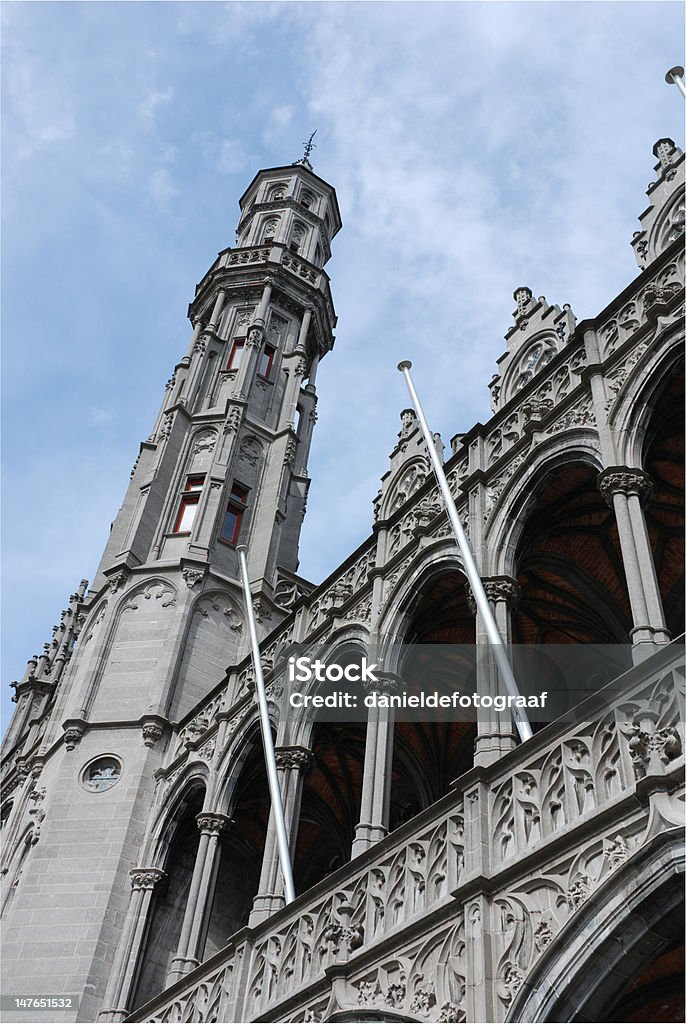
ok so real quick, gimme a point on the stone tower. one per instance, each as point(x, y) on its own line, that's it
point(226, 462)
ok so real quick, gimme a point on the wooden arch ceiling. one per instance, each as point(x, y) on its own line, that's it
point(331, 798)
point(169, 900)
point(428, 756)
point(242, 848)
point(657, 993)
point(569, 566)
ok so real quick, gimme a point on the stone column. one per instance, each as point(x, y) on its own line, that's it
point(199, 354)
point(627, 491)
point(378, 764)
point(119, 987)
point(293, 764)
point(495, 732)
point(200, 895)
point(253, 342)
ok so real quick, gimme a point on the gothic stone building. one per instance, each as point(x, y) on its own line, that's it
point(445, 871)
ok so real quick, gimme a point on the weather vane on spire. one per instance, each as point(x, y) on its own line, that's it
point(309, 146)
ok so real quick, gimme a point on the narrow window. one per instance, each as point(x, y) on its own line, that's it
point(266, 361)
point(298, 236)
point(231, 527)
point(269, 229)
point(189, 504)
point(236, 354)
point(306, 199)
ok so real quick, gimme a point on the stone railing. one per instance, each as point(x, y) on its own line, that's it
point(512, 853)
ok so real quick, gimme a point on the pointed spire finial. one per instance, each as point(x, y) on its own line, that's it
point(309, 146)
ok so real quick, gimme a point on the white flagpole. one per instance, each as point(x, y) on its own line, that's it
point(504, 667)
point(269, 756)
point(675, 76)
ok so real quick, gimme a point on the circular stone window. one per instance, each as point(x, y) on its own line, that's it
point(101, 774)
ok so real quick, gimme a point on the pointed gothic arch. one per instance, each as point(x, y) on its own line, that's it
point(429, 755)
point(634, 916)
point(332, 790)
point(178, 843)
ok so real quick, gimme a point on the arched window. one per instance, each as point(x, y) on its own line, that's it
point(298, 235)
point(307, 199)
point(269, 228)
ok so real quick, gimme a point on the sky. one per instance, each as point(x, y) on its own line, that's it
point(474, 147)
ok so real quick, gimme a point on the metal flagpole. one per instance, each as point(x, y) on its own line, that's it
point(675, 76)
point(269, 756)
point(504, 667)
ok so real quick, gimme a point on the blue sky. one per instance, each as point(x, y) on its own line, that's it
point(475, 147)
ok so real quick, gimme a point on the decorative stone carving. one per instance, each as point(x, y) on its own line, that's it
point(36, 811)
point(262, 611)
point(511, 982)
point(146, 878)
point(395, 995)
point(543, 936)
point(367, 992)
point(192, 576)
point(616, 851)
point(233, 420)
point(651, 750)
point(205, 442)
point(250, 450)
point(408, 418)
point(451, 1014)
point(152, 730)
point(165, 429)
point(291, 449)
point(581, 415)
point(386, 682)
point(294, 758)
point(340, 940)
point(73, 734)
point(578, 891)
point(621, 480)
point(117, 579)
point(255, 336)
point(536, 409)
point(498, 588)
point(210, 823)
point(423, 1000)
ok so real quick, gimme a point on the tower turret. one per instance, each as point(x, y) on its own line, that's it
point(226, 462)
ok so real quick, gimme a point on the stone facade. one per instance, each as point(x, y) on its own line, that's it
point(446, 875)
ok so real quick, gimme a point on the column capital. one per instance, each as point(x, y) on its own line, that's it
point(387, 682)
point(210, 823)
point(146, 878)
point(624, 480)
point(294, 758)
point(498, 588)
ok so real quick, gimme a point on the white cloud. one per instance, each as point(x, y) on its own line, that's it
point(161, 188)
point(148, 108)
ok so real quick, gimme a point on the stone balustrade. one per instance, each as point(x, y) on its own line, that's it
point(418, 924)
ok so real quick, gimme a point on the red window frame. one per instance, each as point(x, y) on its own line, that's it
point(236, 510)
point(189, 499)
point(266, 361)
point(237, 349)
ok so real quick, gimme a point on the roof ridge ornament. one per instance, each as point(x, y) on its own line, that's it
point(304, 160)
